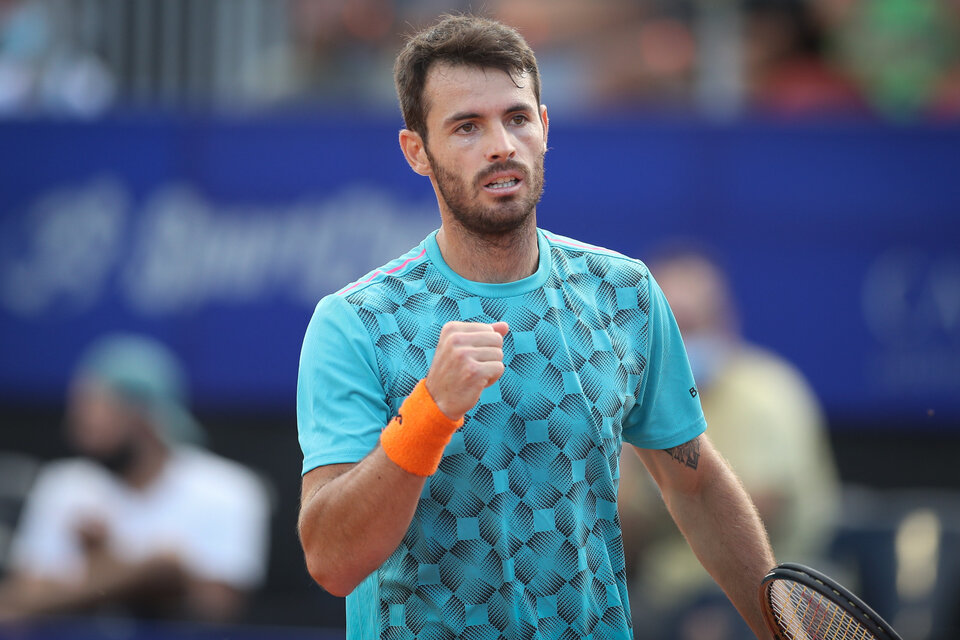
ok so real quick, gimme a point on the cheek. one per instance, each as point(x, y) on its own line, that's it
point(535, 142)
point(97, 426)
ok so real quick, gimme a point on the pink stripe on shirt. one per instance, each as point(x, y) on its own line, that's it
point(579, 245)
point(378, 272)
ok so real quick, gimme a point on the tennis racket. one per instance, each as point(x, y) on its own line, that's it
point(800, 603)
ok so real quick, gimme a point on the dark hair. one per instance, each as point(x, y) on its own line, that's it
point(458, 40)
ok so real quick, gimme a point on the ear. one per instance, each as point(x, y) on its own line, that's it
point(415, 151)
point(546, 125)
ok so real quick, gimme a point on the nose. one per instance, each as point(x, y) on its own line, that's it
point(500, 144)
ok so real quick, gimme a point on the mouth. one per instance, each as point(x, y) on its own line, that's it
point(503, 183)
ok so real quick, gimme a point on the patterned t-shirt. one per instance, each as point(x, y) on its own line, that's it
point(517, 535)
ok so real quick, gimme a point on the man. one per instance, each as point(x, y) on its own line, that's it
point(140, 524)
point(462, 409)
point(755, 403)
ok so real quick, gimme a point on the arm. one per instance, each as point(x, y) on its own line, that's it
point(140, 584)
point(25, 597)
point(718, 520)
point(353, 516)
point(159, 580)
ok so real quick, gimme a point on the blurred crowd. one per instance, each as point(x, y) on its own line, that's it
point(895, 59)
point(142, 521)
point(134, 522)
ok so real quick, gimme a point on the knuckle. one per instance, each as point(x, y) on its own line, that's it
point(450, 328)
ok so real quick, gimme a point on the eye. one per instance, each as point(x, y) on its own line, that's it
point(519, 119)
point(467, 127)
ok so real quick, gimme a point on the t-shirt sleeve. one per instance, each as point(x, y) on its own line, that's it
point(226, 536)
point(667, 412)
point(44, 544)
point(341, 403)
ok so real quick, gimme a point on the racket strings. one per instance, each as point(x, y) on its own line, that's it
point(805, 614)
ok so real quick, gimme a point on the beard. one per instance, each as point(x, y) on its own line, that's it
point(119, 462)
point(509, 214)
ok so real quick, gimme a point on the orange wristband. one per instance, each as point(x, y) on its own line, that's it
point(416, 438)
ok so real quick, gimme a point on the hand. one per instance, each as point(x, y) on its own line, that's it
point(93, 535)
point(468, 359)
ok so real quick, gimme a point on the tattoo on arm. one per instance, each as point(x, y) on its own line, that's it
point(687, 453)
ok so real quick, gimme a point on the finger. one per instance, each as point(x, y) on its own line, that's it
point(490, 371)
point(476, 339)
point(501, 327)
point(457, 326)
point(487, 354)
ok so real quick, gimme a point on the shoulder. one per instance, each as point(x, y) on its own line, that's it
point(72, 475)
point(596, 259)
point(65, 486)
point(754, 361)
point(757, 368)
point(379, 290)
point(210, 478)
point(211, 467)
point(405, 266)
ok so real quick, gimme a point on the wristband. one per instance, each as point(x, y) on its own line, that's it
point(416, 437)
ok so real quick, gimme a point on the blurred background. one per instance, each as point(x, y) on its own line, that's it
point(203, 171)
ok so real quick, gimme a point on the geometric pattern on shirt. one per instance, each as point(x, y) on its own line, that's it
point(517, 534)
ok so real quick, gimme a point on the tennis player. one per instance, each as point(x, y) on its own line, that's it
point(462, 409)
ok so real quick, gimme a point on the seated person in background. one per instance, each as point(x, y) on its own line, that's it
point(141, 524)
point(763, 417)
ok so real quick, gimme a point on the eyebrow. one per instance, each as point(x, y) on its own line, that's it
point(470, 115)
point(463, 115)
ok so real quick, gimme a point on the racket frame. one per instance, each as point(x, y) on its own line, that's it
point(830, 589)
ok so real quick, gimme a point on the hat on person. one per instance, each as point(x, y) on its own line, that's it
point(145, 373)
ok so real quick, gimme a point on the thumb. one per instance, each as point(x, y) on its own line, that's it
point(501, 327)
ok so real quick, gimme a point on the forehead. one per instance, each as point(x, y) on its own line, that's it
point(454, 88)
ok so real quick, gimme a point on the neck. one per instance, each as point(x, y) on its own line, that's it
point(501, 258)
point(151, 460)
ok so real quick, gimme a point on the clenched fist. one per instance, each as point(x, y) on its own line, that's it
point(468, 359)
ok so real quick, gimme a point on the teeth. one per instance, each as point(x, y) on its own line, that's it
point(501, 183)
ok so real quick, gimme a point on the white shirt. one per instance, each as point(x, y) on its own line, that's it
point(211, 512)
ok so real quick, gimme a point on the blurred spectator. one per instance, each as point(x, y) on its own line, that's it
point(899, 51)
point(899, 58)
point(946, 95)
point(627, 53)
point(39, 71)
point(342, 51)
point(141, 523)
point(786, 67)
point(764, 419)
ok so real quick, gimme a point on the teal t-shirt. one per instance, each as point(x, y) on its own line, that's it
point(517, 534)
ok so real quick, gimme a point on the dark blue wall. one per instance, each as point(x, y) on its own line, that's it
point(218, 235)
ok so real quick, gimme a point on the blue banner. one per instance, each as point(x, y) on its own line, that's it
point(218, 236)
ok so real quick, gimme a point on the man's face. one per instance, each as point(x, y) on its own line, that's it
point(485, 146)
point(696, 295)
point(100, 424)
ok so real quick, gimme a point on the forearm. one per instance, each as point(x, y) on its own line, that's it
point(350, 525)
point(727, 536)
point(353, 517)
point(25, 597)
